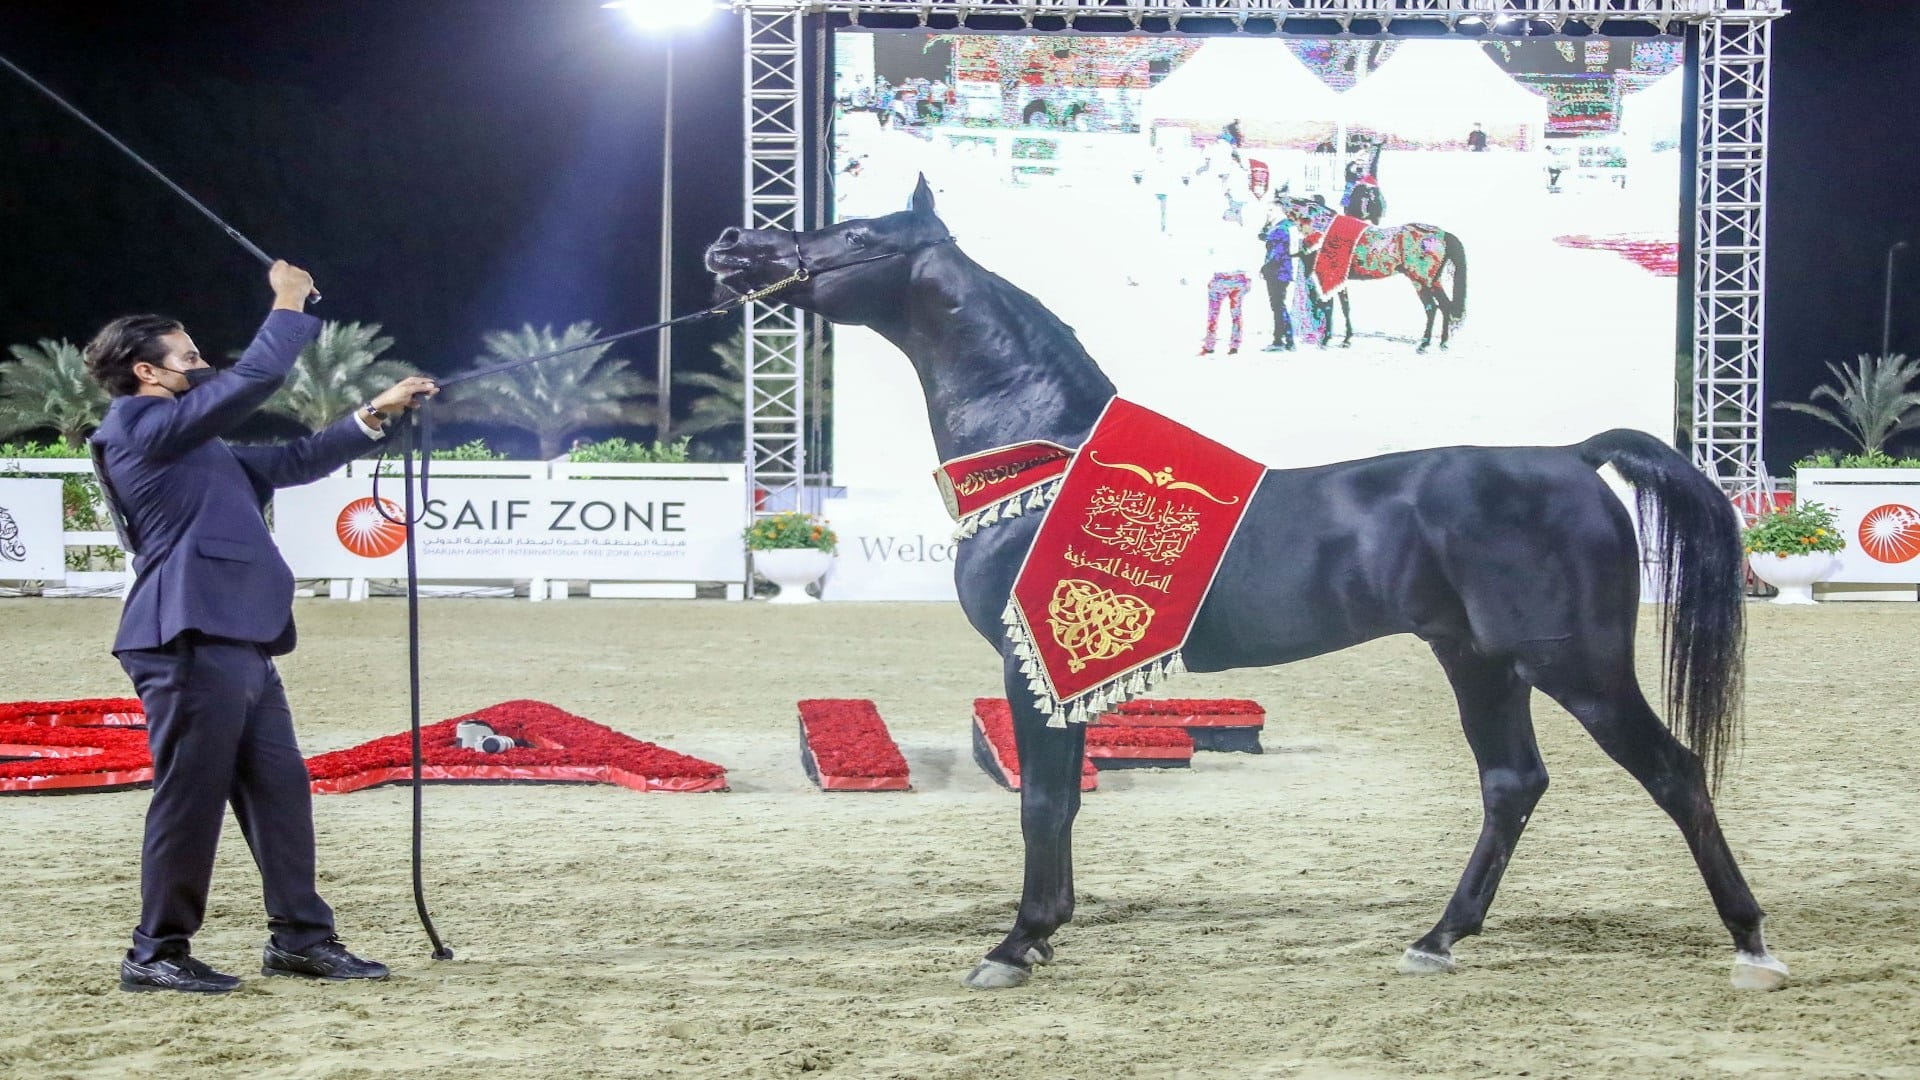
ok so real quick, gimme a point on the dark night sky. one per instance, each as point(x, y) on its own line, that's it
point(446, 167)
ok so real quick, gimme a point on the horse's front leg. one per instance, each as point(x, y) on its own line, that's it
point(1346, 312)
point(1049, 799)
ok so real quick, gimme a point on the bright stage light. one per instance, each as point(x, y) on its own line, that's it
point(663, 14)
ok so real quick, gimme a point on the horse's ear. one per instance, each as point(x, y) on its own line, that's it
point(922, 201)
point(1319, 198)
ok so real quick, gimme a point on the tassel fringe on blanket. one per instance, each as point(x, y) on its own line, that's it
point(1037, 497)
point(1089, 705)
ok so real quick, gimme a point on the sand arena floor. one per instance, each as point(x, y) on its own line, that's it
point(1240, 919)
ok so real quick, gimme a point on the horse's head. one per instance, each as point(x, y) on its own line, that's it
point(1310, 214)
point(856, 271)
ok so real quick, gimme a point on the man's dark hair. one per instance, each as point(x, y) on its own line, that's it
point(124, 342)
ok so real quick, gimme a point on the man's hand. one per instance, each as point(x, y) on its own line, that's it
point(291, 286)
point(405, 395)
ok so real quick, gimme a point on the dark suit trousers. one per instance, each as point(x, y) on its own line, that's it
point(220, 731)
point(1277, 287)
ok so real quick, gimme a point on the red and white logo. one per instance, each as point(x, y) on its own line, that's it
point(1891, 533)
point(363, 530)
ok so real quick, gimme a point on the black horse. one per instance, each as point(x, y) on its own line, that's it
point(1517, 565)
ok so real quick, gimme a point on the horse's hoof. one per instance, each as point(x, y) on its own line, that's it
point(1421, 962)
point(994, 975)
point(1762, 972)
point(1039, 953)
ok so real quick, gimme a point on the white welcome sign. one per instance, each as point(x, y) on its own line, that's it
point(894, 545)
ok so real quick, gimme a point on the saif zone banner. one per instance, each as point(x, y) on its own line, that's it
point(31, 547)
point(504, 529)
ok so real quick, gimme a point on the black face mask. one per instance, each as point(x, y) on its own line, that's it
point(197, 376)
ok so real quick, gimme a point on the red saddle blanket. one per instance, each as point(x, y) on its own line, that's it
point(1123, 560)
point(1335, 258)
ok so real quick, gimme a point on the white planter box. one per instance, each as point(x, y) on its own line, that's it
point(1878, 512)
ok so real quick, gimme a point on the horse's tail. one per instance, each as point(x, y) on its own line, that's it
point(1455, 306)
point(1689, 524)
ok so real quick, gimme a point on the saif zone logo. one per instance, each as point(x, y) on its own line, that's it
point(1891, 533)
point(366, 532)
point(11, 549)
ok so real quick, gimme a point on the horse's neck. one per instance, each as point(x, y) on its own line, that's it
point(996, 366)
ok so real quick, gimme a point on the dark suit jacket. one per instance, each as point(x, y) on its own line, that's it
point(204, 559)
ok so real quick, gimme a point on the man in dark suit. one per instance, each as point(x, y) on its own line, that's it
point(210, 606)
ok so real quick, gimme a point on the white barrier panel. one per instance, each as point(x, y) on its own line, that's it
point(31, 544)
point(1878, 511)
point(893, 546)
point(508, 529)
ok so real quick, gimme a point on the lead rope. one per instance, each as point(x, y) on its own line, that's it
point(416, 433)
point(423, 430)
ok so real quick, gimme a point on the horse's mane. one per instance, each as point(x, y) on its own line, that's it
point(1057, 338)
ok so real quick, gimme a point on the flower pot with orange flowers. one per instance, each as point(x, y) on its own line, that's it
point(793, 550)
point(1793, 548)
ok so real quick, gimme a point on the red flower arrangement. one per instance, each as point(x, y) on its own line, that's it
point(83, 712)
point(556, 746)
point(1129, 747)
point(997, 755)
point(845, 746)
point(72, 759)
point(1224, 724)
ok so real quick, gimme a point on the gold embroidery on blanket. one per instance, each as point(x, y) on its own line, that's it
point(1161, 478)
point(1092, 623)
point(1132, 573)
point(1137, 523)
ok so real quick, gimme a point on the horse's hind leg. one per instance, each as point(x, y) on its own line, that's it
point(1346, 313)
point(1427, 302)
point(1049, 799)
point(1606, 699)
point(1499, 728)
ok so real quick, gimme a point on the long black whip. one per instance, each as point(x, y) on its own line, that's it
point(236, 235)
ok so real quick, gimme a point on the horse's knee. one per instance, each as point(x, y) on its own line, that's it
point(1513, 792)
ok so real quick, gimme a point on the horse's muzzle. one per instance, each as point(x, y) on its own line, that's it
point(745, 259)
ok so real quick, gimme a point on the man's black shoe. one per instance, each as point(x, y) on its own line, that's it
point(182, 973)
point(327, 960)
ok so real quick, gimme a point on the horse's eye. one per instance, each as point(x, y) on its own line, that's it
point(856, 240)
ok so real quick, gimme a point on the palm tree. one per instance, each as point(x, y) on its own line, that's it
point(1876, 399)
point(553, 399)
point(719, 399)
point(50, 388)
point(338, 372)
